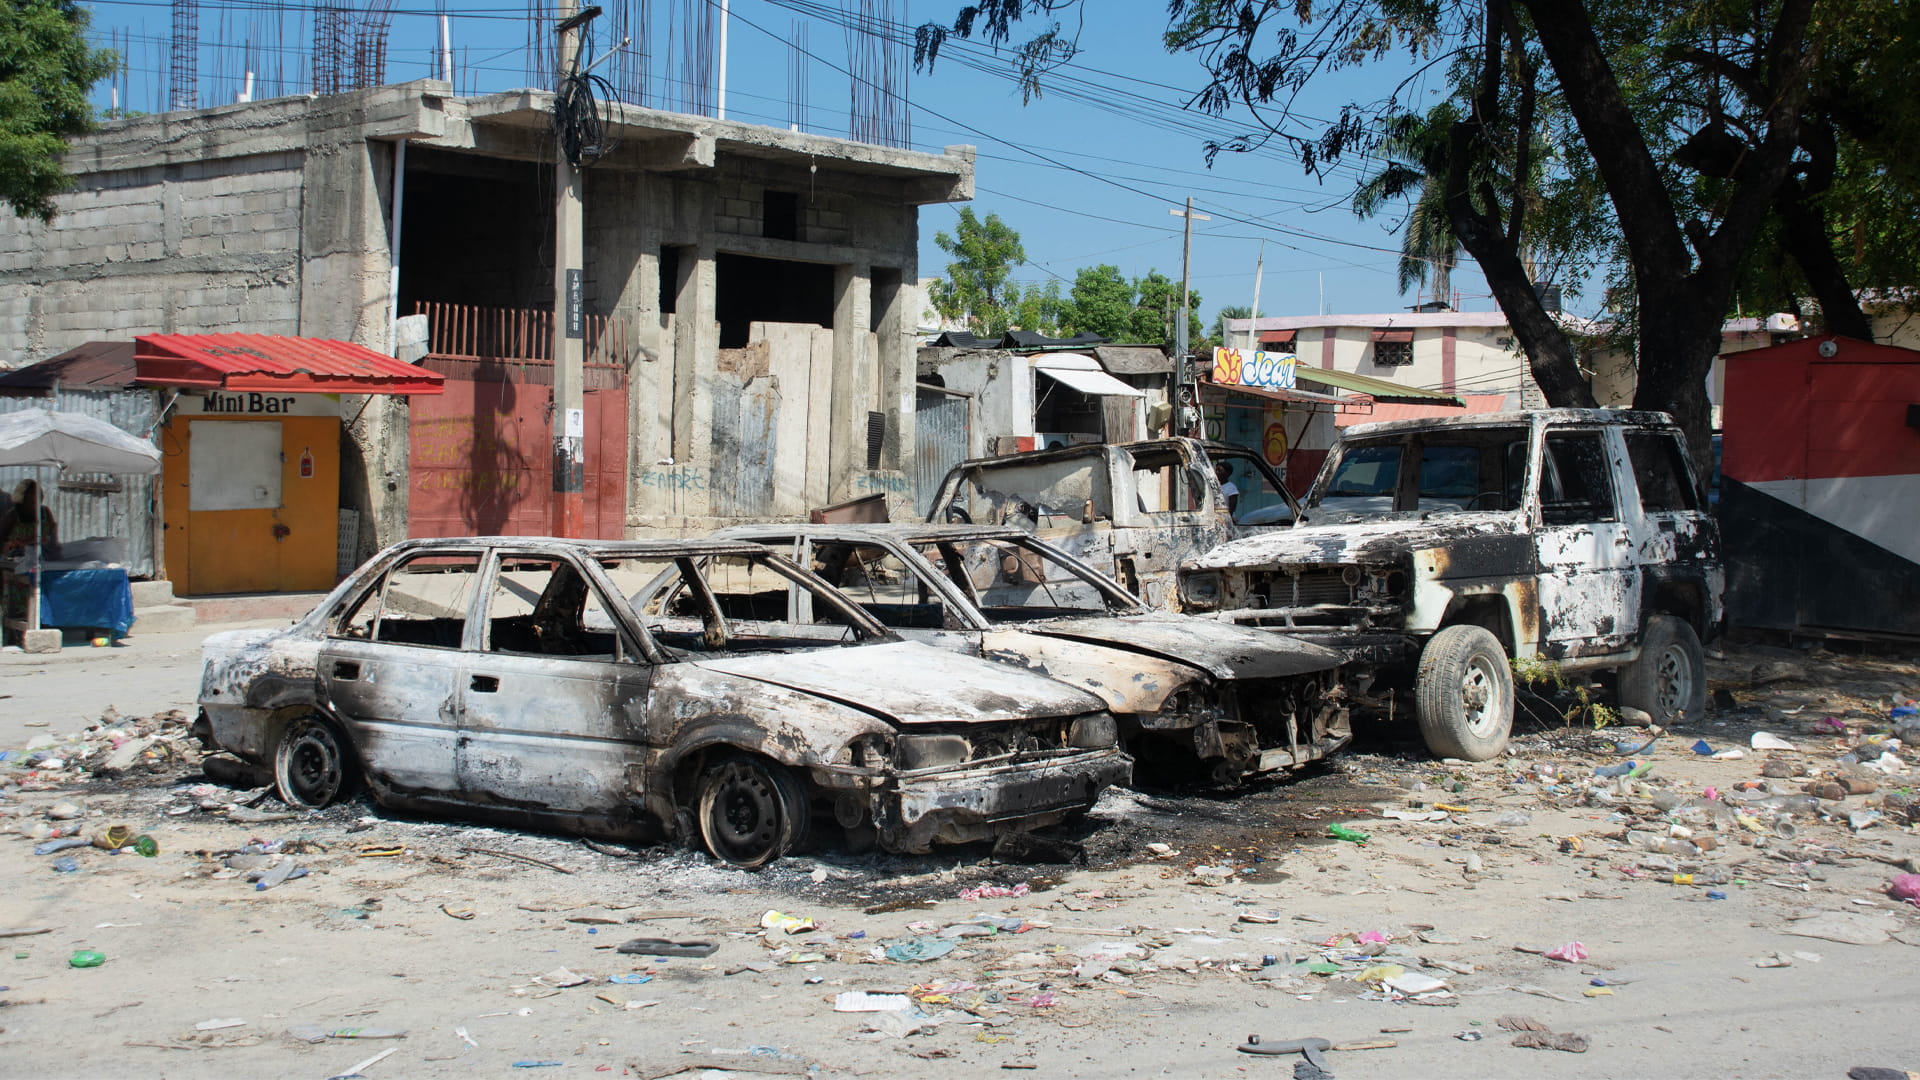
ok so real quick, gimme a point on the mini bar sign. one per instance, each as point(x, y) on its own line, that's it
point(254, 402)
point(257, 403)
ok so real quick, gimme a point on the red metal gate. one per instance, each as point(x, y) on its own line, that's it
point(480, 454)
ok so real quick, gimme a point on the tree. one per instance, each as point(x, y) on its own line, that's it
point(1101, 301)
point(1157, 310)
point(1413, 171)
point(46, 69)
point(1036, 307)
point(1612, 92)
point(975, 289)
point(1221, 331)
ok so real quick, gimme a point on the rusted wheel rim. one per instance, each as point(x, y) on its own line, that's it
point(1479, 698)
point(1673, 680)
point(314, 769)
point(745, 814)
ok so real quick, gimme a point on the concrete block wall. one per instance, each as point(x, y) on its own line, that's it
point(182, 248)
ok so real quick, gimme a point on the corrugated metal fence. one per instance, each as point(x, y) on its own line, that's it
point(940, 432)
point(96, 504)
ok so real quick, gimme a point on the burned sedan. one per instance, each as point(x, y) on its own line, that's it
point(1188, 692)
point(509, 679)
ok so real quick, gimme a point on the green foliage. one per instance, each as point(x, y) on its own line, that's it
point(1101, 302)
point(1037, 308)
point(1105, 302)
point(46, 70)
point(976, 289)
point(1534, 671)
point(1220, 330)
point(1157, 310)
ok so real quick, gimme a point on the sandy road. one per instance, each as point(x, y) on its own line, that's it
point(376, 941)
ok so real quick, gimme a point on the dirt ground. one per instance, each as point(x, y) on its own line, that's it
point(1198, 918)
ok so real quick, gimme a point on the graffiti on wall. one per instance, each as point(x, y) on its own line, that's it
point(1265, 370)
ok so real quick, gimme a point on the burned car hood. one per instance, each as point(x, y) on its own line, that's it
point(1225, 651)
point(1361, 543)
point(914, 683)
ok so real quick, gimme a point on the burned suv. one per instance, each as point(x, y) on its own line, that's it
point(1431, 551)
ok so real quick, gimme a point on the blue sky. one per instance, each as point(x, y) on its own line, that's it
point(1086, 173)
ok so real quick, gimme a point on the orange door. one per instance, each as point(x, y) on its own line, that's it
point(252, 505)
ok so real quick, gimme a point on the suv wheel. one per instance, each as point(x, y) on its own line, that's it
point(1669, 681)
point(1464, 694)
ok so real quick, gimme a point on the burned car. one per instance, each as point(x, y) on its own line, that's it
point(1133, 510)
point(1573, 540)
point(1187, 692)
point(508, 678)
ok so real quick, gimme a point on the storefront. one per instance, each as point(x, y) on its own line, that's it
point(250, 484)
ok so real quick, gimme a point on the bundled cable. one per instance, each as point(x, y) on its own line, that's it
point(576, 112)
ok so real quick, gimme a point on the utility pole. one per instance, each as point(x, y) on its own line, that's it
point(1253, 315)
point(567, 516)
point(1183, 398)
point(1186, 276)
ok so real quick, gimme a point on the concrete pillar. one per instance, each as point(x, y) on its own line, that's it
point(854, 389)
point(897, 366)
point(696, 348)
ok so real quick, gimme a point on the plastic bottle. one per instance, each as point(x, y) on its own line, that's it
point(1341, 832)
point(86, 958)
point(146, 845)
point(1622, 769)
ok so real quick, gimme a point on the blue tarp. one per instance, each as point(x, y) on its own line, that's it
point(90, 599)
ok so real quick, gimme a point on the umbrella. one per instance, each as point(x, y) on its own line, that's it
point(74, 441)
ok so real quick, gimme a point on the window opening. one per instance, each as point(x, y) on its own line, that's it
point(422, 601)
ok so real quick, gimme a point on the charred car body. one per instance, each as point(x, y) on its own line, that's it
point(1136, 511)
point(1434, 550)
point(508, 678)
point(1186, 691)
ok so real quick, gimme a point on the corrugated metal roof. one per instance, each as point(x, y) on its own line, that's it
point(276, 364)
point(1377, 389)
point(1476, 403)
point(100, 364)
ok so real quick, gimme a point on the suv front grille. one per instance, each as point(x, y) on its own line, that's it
point(1308, 589)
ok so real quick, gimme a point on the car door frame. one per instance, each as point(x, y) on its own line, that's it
point(399, 754)
point(563, 737)
point(1587, 573)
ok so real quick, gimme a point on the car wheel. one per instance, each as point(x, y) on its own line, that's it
point(1464, 694)
point(313, 766)
point(1669, 681)
point(751, 811)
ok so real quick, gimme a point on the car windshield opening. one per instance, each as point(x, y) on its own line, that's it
point(1453, 471)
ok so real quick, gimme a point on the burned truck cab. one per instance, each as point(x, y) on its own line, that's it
point(1432, 553)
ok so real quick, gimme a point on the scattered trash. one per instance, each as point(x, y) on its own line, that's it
point(1342, 832)
point(663, 947)
point(216, 1025)
point(630, 980)
point(361, 1068)
point(792, 924)
point(994, 892)
point(1766, 741)
point(1571, 952)
point(1535, 1035)
point(919, 950)
point(560, 978)
point(861, 1001)
point(86, 958)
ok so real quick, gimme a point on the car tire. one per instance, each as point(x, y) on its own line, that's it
point(314, 766)
point(751, 811)
point(1669, 681)
point(1464, 694)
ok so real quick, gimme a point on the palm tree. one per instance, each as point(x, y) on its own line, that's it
point(1220, 321)
point(1415, 155)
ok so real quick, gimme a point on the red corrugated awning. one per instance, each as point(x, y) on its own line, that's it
point(287, 365)
point(1278, 337)
point(1393, 335)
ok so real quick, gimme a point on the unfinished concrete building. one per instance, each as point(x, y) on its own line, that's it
point(749, 294)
